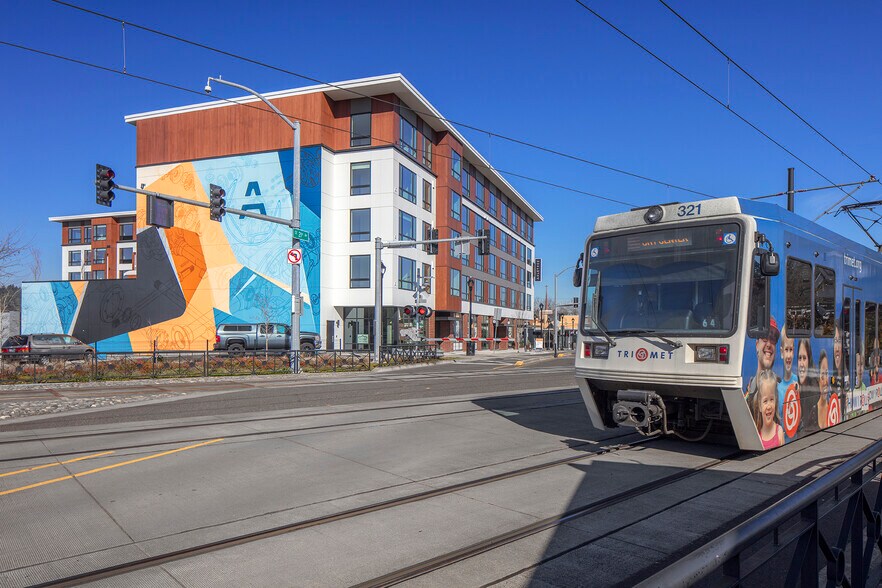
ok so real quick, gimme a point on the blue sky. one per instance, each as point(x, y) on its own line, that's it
point(549, 73)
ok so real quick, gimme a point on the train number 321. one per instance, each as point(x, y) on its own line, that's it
point(689, 210)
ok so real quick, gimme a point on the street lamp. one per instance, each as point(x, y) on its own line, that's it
point(295, 216)
point(555, 304)
point(470, 343)
point(541, 322)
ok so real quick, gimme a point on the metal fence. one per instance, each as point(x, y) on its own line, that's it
point(20, 368)
point(828, 531)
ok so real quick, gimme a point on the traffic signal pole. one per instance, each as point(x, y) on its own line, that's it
point(379, 245)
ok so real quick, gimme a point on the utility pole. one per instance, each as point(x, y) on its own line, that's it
point(470, 345)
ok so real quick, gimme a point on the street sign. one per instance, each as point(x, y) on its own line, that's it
point(294, 256)
point(301, 234)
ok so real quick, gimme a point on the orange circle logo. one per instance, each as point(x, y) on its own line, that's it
point(641, 354)
point(791, 410)
point(834, 411)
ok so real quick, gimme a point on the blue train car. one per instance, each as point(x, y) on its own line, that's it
point(727, 317)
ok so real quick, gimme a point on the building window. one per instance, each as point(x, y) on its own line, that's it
point(454, 247)
point(74, 258)
point(406, 273)
point(427, 195)
point(75, 235)
point(126, 232)
point(529, 283)
point(503, 269)
point(455, 165)
point(503, 241)
point(360, 224)
point(455, 205)
point(75, 276)
point(100, 232)
point(466, 213)
point(492, 203)
point(492, 267)
point(87, 235)
point(493, 235)
point(122, 274)
point(491, 293)
point(466, 188)
point(479, 191)
point(503, 295)
point(466, 253)
point(406, 226)
point(360, 178)
point(529, 305)
point(407, 133)
point(98, 275)
point(87, 257)
point(407, 183)
point(100, 256)
point(479, 262)
point(427, 278)
point(521, 272)
point(360, 123)
point(87, 275)
point(455, 278)
point(126, 255)
point(359, 271)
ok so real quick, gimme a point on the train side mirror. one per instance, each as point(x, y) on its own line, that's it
point(770, 263)
point(577, 273)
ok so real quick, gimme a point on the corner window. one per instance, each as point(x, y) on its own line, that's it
point(799, 298)
point(360, 123)
point(360, 224)
point(406, 226)
point(455, 165)
point(406, 273)
point(359, 271)
point(455, 205)
point(407, 132)
point(455, 278)
point(126, 232)
point(360, 178)
point(407, 184)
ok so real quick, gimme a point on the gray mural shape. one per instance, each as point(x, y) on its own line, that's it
point(115, 307)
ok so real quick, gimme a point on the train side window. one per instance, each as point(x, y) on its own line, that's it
point(825, 301)
point(799, 298)
point(758, 305)
point(871, 343)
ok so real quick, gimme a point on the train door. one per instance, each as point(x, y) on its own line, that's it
point(851, 348)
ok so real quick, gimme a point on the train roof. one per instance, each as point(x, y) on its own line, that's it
point(721, 207)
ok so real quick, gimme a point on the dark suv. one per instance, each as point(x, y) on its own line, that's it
point(45, 347)
point(257, 337)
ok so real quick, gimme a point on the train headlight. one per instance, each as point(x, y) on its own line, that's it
point(706, 353)
point(600, 350)
point(654, 214)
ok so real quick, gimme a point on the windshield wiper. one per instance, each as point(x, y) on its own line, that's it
point(631, 332)
point(603, 332)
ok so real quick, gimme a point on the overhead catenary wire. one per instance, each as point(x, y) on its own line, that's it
point(832, 187)
point(730, 60)
point(303, 120)
point(701, 89)
point(522, 142)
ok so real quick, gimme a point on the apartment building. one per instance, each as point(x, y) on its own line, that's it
point(98, 246)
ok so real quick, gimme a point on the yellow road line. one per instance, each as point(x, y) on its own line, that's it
point(109, 467)
point(57, 463)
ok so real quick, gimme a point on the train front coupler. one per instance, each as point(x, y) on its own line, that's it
point(642, 409)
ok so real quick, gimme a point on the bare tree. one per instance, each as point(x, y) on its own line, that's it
point(11, 251)
point(264, 304)
point(37, 263)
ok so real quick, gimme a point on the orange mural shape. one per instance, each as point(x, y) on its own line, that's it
point(186, 251)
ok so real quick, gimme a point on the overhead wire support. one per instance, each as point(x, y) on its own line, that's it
point(831, 187)
point(731, 61)
point(702, 90)
point(490, 134)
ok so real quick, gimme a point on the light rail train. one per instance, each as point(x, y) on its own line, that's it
point(726, 317)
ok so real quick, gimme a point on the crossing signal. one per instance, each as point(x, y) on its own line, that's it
point(104, 185)
point(432, 248)
point(409, 311)
point(484, 241)
point(424, 311)
point(217, 205)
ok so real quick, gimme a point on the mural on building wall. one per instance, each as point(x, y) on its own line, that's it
point(200, 273)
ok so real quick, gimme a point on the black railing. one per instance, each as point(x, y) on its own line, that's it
point(405, 354)
point(20, 368)
point(830, 527)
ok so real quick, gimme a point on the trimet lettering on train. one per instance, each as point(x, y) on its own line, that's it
point(852, 262)
point(642, 355)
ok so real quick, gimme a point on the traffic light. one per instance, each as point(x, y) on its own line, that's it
point(432, 248)
point(537, 270)
point(424, 311)
point(484, 242)
point(217, 204)
point(104, 185)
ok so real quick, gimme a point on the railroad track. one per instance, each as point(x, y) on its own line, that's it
point(246, 421)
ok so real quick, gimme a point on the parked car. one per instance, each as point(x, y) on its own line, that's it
point(43, 347)
point(259, 336)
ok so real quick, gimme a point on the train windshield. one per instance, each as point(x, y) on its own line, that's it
point(671, 280)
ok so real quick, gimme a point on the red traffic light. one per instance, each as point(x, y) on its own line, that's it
point(424, 311)
point(409, 310)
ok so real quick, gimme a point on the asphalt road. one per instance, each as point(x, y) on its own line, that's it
point(256, 395)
